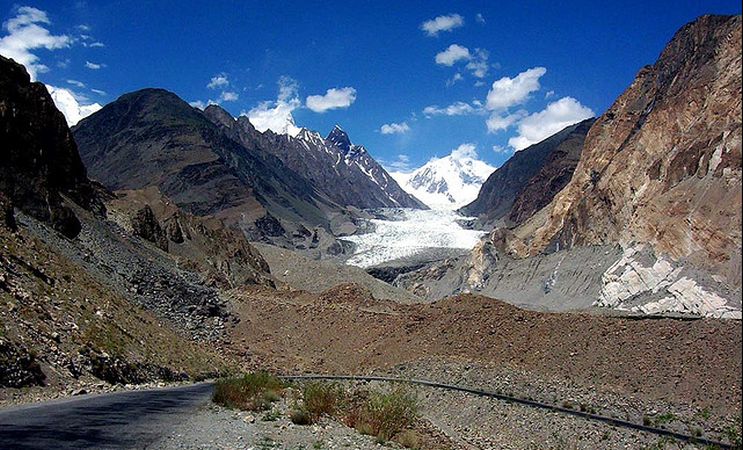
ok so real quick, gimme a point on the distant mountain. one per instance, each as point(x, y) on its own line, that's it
point(530, 178)
point(449, 182)
point(153, 138)
point(342, 171)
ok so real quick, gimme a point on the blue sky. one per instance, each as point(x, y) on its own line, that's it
point(521, 67)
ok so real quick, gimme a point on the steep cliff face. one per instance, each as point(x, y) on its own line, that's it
point(663, 165)
point(39, 162)
point(529, 179)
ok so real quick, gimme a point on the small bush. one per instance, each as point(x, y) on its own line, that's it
point(253, 391)
point(300, 417)
point(322, 399)
point(385, 414)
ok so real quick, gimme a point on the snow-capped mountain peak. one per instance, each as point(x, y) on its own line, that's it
point(449, 182)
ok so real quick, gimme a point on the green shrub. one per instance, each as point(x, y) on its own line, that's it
point(253, 392)
point(322, 399)
point(385, 414)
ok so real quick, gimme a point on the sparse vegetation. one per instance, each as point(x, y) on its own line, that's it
point(252, 392)
point(385, 414)
point(322, 399)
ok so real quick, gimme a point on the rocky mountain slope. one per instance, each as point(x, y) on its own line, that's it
point(658, 186)
point(153, 138)
point(342, 171)
point(449, 182)
point(128, 292)
point(529, 179)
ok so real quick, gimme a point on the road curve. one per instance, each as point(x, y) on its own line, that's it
point(132, 419)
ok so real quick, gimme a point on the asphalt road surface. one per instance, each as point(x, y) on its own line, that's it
point(131, 419)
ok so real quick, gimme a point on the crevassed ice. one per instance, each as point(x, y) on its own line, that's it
point(410, 232)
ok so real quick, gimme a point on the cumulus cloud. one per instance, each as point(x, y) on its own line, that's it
point(498, 121)
point(26, 32)
point(466, 150)
point(395, 128)
point(68, 104)
point(94, 66)
point(228, 96)
point(455, 109)
point(218, 81)
point(277, 115)
point(452, 54)
point(442, 23)
point(556, 116)
point(508, 92)
point(335, 98)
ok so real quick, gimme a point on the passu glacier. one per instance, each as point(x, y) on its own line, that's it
point(406, 232)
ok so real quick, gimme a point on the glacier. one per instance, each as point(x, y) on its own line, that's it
point(405, 232)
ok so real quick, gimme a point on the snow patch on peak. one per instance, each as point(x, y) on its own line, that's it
point(449, 182)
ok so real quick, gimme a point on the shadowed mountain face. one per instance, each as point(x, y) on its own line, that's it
point(153, 138)
point(530, 178)
point(342, 171)
point(40, 162)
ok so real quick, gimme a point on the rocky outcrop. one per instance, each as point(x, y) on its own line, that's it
point(223, 256)
point(529, 179)
point(146, 226)
point(18, 367)
point(40, 164)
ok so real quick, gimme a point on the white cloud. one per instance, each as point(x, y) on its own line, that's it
point(549, 94)
point(335, 98)
point(478, 64)
point(498, 121)
point(508, 92)
point(79, 84)
point(66, 102)
point(26, 33)
point(395, 128)
point(466, 150)
point(556, 116)
point(94, 66)
point(97, 44)
point(400, 164)
point(277, 115)
point(452, 54)
point(442, 23)
point(457, 77)
point(228, 96)
point(455, 109)
point(501, 149)
point(218, 81)
point(199, 104)
point(98, 91)
point(479, 18)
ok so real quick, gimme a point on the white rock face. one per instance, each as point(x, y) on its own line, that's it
point(633, 275)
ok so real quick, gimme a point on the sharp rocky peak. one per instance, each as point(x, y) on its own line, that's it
point(340, 139)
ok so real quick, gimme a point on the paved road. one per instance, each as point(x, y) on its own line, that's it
point(120, 420)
